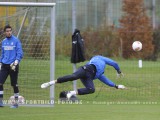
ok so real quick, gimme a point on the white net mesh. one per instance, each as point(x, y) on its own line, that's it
point(35, 39)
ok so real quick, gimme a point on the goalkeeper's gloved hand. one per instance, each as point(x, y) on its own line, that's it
point(120, 87)
point(119, 74)
point(14, 65)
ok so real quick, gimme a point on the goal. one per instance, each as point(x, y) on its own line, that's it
point(34, 25)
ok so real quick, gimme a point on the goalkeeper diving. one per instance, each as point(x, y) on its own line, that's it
point(94, 69)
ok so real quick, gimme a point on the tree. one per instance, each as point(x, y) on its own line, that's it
point(135, 25)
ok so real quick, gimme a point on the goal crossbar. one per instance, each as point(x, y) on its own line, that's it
point(27, 4)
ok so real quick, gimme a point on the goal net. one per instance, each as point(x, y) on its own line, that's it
point(33, 26)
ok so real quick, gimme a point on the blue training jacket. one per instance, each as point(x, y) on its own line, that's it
point(11, 50)
point(100, 62)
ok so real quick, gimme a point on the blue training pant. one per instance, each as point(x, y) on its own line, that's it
point(86, 74)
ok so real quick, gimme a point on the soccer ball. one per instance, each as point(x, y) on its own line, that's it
point(21, 100)
point(137, 46)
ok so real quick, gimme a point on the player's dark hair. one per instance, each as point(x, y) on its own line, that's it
point(7, 26)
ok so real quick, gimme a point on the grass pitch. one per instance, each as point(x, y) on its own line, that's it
point(143, 83)
point(83, 112)
point(143, 90)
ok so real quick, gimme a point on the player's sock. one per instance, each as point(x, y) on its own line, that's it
point(1, 96)
point(15, 105)
point(73, 92)
point(1, 99)
point(70, 93)
point(45, 85)
point(52, 82)
point(16, 97)
point(16, 93)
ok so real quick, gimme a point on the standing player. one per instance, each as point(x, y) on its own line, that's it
point(94, 69)
point(11, 55)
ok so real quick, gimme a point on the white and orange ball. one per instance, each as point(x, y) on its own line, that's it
point(137, 46)
point(21, 100)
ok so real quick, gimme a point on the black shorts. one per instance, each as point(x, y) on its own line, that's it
point(5, 71)
point(86, 72)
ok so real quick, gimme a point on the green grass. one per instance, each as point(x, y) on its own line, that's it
point(142, 83)
point(143, 89)
point(82, 112)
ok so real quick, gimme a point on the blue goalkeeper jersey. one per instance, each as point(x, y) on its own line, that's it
point(100, 63)
point(11, 50)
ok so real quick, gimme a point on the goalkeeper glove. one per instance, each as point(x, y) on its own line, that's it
point(14, 65)
point(119, 74)
point(120, 87)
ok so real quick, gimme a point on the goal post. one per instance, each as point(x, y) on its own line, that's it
point(52, 36)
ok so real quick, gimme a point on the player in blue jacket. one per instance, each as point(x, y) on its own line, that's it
point(11, 55)
point(94, 69)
